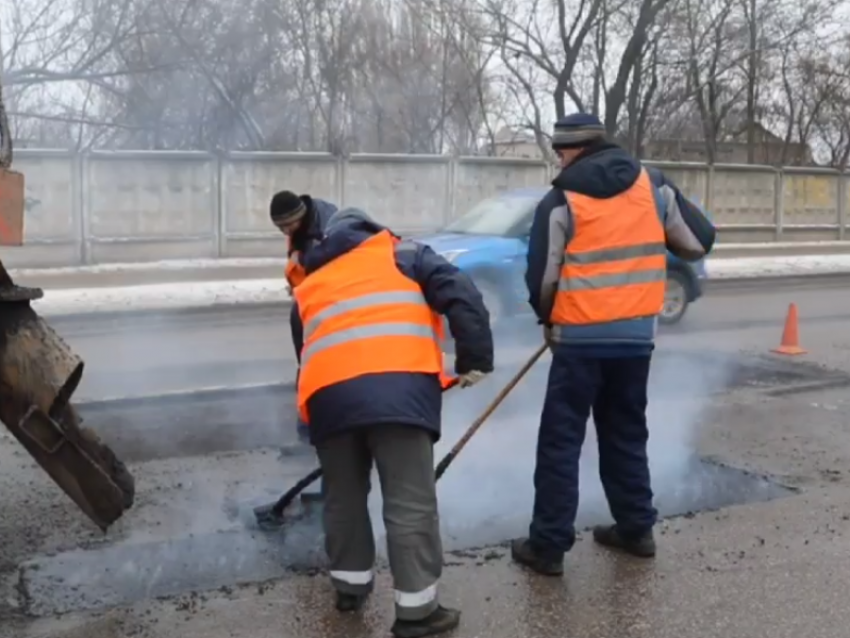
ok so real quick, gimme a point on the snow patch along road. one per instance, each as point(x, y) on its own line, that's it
point(790, 266)
point(256, 291)
point(162, 296)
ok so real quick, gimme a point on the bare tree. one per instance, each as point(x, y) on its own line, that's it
point(54, 49)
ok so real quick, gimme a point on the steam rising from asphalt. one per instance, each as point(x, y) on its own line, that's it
point(487, 495)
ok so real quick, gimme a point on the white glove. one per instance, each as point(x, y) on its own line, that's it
point(471, 378)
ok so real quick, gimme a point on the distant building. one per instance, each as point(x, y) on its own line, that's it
point(731, 150)
point(509, 142)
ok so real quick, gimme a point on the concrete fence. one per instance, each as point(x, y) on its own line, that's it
point(146, 206)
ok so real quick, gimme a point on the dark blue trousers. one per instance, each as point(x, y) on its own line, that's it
point(614, 390)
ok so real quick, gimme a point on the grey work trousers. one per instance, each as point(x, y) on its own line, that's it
point(404, 456)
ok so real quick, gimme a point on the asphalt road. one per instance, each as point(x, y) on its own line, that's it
point(139, 356)
point(778, 568)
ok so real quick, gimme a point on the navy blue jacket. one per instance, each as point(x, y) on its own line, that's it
point(401, 398)
point(603, 171)
point(319, 213)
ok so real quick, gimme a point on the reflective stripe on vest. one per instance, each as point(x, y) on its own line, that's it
point(615, 266)
point(362, 316)
point(363, 332)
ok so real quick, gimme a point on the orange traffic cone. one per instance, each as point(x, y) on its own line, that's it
point(790, 335)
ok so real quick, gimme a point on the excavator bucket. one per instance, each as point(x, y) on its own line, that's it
point(11, 208)
point(38, 375)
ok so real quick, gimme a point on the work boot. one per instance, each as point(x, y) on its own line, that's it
point(642, 546)
point(350, 602)
point(440, 621)
point(523, 552)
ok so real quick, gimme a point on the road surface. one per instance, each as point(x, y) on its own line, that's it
point(776, 568)
point(152, 355)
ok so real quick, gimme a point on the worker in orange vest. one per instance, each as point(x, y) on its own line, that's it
point(597, 267)
point(371, 391)
point(302, 219)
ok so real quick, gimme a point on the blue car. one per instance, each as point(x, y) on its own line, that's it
point(490, 243)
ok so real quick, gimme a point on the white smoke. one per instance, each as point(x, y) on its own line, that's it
point(487, 495)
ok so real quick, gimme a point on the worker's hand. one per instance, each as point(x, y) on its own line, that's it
point(547, 335)
point(471, 378)
point(289, 290)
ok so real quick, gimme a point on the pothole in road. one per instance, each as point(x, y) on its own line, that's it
point(121, 574)
point(195, 423)
point(204, 423)
point(209, 422)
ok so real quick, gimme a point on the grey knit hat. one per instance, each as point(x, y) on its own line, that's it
point(286, 206)
point(576, 131)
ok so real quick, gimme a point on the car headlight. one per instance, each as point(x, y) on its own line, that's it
point(451, 255)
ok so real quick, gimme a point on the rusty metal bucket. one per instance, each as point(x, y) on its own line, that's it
point(38, 375)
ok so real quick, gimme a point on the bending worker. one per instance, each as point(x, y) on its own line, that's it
point(371, 390)
point(597, 267)
point(302, 219)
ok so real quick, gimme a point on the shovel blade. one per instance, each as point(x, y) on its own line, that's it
point(269, 520)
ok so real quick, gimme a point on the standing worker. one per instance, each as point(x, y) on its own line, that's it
point(371, 391)
point(597, 267)
point(303, 220)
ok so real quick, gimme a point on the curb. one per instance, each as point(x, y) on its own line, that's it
point(812, 280)
point(276, 308)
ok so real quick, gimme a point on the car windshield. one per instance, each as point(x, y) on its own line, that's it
point(494, 216)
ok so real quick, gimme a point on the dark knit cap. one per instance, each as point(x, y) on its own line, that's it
point(287, 206)
point(576, 131)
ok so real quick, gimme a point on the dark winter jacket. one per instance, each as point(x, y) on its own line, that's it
point(603, 171)
point(311, 231)
point(399, 397)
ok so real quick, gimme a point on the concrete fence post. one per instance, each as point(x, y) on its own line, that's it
point(709, 187)
point(340, 177)
point(219, 216)
point(79, 192)
point(842, 198)
point(451, 202)
point(778, 204)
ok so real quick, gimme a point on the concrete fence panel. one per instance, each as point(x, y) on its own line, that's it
point(809, 206)
point(743, 202)
point(139, 204)
point(692, 179)
point(476, 178)
point(249, 180)
point(52, 223)
point(406, 192)
point(147, 206)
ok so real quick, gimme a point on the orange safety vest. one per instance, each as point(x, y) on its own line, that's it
point(362, 316)
point(615, 265)
point(294, 271)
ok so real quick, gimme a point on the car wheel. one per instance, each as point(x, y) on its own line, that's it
point(675, 299)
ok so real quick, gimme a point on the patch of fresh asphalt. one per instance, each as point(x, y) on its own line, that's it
point(190, 426)
point(114, 574)
point(238, 419)
point(123, 574)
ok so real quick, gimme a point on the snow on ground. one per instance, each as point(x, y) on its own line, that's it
point(171, 264)
point(162, 296)
point(777, 266)
point(278, 262)
point(247, 291)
